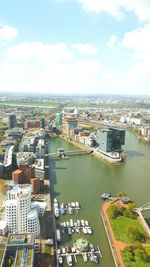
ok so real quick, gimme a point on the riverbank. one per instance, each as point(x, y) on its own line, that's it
point(95, 153)
point(115, 246)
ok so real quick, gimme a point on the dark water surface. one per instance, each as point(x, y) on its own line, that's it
point(84, 178)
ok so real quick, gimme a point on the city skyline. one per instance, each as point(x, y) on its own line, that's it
point(75, 47)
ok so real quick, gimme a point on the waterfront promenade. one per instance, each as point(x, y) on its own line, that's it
point(116, 246)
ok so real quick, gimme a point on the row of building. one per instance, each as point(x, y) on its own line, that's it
point(37, 123)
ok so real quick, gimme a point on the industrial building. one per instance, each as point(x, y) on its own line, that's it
point(110, 140)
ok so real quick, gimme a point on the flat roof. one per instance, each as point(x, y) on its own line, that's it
point(19, 239)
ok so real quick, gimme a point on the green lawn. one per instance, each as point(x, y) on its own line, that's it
point(120, 225)
point(136, 263)
point(47, 249)
point(31, 104)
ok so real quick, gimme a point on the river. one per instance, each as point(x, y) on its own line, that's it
point(84, 178)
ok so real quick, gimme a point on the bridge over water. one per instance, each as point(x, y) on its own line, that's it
point(141, 217)
point(66, 154)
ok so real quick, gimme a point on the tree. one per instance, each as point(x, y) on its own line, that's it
point(120, 194)
point(141, 254)
point(135, 235)
point(129, 211)
point(114, 211)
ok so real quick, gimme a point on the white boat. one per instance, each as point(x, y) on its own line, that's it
point(77, 230)
point(55, 205)
point(78, 223)
point(82, 222)
point(56, 212)
point(73, 249)
point(69, 231)
point(85, 257)
point(73, 205)
point(106, 195)
point(55, 200)
point(71, 222)
point(63, 250)
point(65, 224)
point(58, 235)
point(60, 259)
point(69, 260)
point(77, 204)
point(84, 229)
point(91, 247)
point(58, 251)
point(89, 230)
point(70, 210)
point(86, 223)
point(68, 224)
point(95, 258)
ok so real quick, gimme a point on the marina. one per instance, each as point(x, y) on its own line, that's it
point(85, 178)
point(77, 226)
point(81, 247)
point(92, 256)
point(61, 209)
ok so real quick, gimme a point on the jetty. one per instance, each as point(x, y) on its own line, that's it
point(88, 254)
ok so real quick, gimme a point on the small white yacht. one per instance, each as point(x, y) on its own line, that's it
point(84, 230)
point(69, 260)
point(77, 204)
point(89, 230)
point(85, 257)
point(82, 222)
point(86, 223)
point(60, 259)
point(71, 222)
point(56, 212)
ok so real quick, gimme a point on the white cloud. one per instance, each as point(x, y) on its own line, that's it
point(138, 39)
point(39, 66)
point(138, 43)
point(40, 51)
point(85, 48)
point(97, 6)
point(8, 32)
point(112, 41)
point(117, 8)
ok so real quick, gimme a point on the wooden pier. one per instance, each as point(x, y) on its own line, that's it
point(75, 254)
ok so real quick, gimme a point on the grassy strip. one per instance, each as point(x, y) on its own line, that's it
point(120, 226)
point(31, 104)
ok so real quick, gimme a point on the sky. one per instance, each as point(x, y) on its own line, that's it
point(75, 46)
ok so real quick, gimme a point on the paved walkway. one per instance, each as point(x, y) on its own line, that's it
point(117, 246)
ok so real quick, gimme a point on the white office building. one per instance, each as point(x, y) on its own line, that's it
point(17, 209)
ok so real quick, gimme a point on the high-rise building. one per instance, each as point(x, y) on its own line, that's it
point(110, 140)
point(42, 123)
point(69, 124)
point(12, 121)
point(18, 213)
